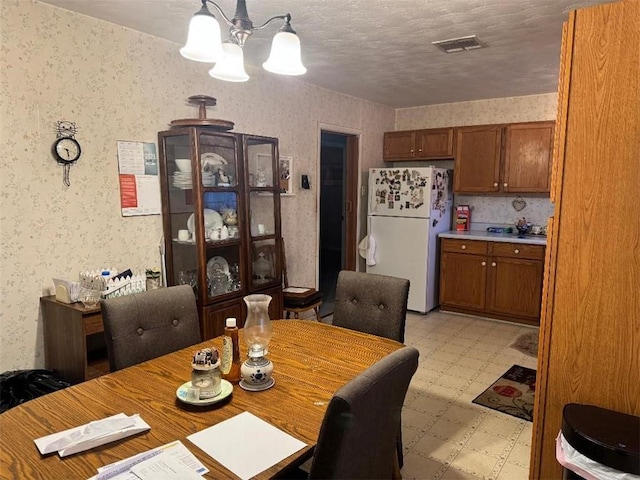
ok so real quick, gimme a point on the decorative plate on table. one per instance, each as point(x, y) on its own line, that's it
point(182, 394)
point(218, 262)
point(212, 219)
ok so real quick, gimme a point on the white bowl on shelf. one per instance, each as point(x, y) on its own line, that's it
point(183, 164)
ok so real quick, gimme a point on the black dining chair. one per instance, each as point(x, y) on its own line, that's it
point(146, 325)
point(360, 426)
point(375, 304)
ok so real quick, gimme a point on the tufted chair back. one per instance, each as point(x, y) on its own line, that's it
point(146, 325)
point(359, 429)
point(371, 303)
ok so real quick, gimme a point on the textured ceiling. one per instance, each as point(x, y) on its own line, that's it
point(381, 50)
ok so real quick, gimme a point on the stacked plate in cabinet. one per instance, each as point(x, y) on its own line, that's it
point(182, 180)
point(208, 179)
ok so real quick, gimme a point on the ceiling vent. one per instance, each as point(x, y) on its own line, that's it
point(459, 44)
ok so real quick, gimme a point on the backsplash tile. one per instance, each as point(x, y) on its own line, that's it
point(500, 211)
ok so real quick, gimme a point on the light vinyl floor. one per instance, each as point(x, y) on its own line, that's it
point(446, 436)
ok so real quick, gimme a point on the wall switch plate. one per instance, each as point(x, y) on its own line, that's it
point(305, 182)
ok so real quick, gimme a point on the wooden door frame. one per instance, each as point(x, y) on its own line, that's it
point(353, 184)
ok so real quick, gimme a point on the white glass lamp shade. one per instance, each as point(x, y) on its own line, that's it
point(257, 328)
point(203, 41)
point(230, 67)
point(285, 57)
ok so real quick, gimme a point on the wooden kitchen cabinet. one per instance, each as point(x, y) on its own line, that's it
point(514, 279)
point(514, 158)
point(494, 279)
point(463, 274)
point(526, 164)
point(477, 165)
point(431, 143)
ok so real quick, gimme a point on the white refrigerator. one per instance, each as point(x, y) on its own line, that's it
point(408, 208)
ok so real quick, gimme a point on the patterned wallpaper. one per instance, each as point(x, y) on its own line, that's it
point(488, 209)
point(118, 84)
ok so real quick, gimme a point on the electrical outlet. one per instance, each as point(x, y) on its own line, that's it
point(305, 182)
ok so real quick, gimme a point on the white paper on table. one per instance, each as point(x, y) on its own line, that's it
point(232, 443)
point(91, 435)
point(295, 290)
point(163, 467)
point(121, 470)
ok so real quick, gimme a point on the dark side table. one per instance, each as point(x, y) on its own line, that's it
point(74, 344)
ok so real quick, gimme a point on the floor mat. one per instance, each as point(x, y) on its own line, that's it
point(527, 343)
point(512, 393)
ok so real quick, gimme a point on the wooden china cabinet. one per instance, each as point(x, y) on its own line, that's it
point(221, 220)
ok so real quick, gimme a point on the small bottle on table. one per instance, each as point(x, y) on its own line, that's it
point(230, 352)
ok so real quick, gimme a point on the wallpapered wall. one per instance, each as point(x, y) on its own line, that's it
point(488, 209)
point(118, 84)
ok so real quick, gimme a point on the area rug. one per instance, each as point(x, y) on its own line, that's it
point(527, 343)
point(512, 393)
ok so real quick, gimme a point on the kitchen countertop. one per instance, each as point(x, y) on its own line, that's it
point(495, 237)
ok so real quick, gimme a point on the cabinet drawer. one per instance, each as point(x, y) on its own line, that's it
point(516, 250)
point(93, 324)
point(477, 247)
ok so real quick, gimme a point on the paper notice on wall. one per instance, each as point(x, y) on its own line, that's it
point(139, 180)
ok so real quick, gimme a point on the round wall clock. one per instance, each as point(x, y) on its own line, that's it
point(66, 150)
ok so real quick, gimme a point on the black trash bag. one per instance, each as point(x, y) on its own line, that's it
point(19, 386)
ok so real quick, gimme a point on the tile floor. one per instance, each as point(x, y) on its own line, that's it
point(446, 436)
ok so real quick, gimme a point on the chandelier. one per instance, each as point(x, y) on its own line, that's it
point(204, 44)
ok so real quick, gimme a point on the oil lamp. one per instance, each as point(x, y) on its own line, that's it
point(257, 369)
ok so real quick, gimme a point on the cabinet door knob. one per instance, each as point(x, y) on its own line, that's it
point(483, 263)
point(493, 264)
point(412, 150)
point(463, 247)
point(505, 184)
point(495, 184)
point(516, 251)
point(419, 149)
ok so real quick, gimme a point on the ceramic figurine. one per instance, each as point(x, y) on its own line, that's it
point(261, 179)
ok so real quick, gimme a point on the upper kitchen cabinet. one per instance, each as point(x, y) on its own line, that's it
point(527, 157)
point(504, 158)
point(477, 165)
point(433, 143)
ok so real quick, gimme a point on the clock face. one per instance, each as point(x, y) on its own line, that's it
point(67, 149)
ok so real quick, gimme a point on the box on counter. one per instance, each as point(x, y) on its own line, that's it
point(463, 218)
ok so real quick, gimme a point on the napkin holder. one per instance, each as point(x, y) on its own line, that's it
point(66, 291)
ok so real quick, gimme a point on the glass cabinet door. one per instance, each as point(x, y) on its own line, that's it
point(223, 216)
point(263, 207)
point(182, 260)
point(205, 211)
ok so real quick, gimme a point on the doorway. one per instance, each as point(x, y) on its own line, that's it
point(338, 217)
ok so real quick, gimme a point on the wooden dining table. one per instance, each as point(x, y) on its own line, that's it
point(311, 361)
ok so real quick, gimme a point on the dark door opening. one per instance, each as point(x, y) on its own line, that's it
point(338, 190)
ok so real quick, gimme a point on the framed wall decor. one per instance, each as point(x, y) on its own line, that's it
point(286, 176)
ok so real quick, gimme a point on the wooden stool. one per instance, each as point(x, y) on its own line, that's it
point(297, 303)
point(298, 299)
